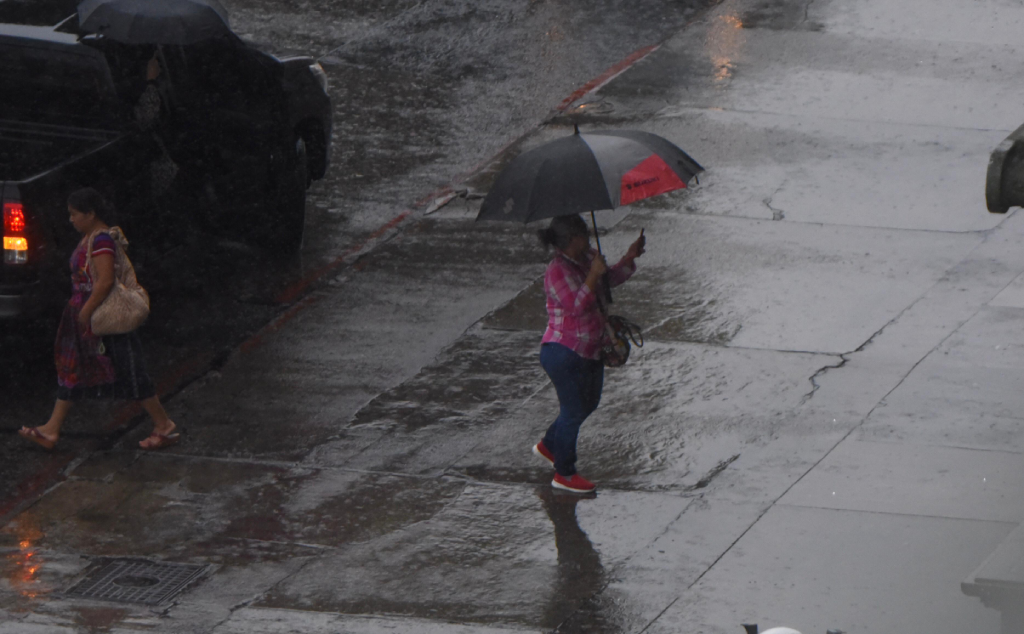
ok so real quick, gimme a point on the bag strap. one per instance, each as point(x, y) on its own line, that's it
point(89, 239)
point(118, 251)
point(627, 329)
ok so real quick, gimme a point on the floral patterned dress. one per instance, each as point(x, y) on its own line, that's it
point(89, 366)
point(79, 354)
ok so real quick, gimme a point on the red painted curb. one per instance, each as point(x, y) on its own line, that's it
point(607, 75)
point(276, 324)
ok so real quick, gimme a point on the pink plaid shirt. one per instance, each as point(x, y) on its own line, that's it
point(576, 316)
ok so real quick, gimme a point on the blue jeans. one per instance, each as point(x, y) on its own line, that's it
point(578, 383)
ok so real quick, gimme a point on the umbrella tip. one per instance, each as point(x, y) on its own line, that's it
point(575, 128)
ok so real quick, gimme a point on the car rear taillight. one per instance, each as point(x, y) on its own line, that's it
point(15, 242)
point(14, 219)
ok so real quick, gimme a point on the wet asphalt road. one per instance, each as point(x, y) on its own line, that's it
point(424, 93)
point(822, 430)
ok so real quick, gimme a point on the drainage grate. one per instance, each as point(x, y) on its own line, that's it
point(135, 581)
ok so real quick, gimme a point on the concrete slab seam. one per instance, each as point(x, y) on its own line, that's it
point(676, 111)
point(837, 225)
point(660, 614)
point(894, 514)
point(989, 450)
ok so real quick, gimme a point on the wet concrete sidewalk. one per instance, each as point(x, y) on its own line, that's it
point(821, 430)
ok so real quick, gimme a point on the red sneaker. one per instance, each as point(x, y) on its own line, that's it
point(576, 483)
point(541, 450)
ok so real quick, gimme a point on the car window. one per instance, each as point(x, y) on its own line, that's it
point(46, 85)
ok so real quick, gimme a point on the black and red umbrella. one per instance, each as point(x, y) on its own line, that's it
point(587, 172)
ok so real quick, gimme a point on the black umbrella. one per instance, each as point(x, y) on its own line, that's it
point(587, 172)
point(154, 21)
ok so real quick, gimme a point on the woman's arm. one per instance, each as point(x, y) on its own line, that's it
point(567, 291)
point(625, 267)
point(103, 269)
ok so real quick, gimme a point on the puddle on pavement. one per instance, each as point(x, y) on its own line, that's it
point(21, 567)
point(473, 562)
point(671, 420)
point(169, 507)
point(580, 574)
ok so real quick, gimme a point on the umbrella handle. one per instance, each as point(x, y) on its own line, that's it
point(605, 279)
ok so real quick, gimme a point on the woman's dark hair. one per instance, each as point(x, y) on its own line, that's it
point(562, 230)
point(89, 201)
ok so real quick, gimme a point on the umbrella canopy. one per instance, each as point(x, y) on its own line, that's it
point(154, 21)
point(585, 172)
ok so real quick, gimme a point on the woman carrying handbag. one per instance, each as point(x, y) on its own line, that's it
point(93, 366)
point(571, 349)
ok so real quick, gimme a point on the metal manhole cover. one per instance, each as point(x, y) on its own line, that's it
point(135, 581)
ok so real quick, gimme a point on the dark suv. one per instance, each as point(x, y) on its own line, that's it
point(247, 133)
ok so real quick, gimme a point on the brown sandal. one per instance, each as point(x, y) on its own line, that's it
point(162, 440)
point(36, 436)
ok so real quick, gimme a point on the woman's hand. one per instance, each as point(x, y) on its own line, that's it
point(153, 68)
point(637, 248)
point(85, 315)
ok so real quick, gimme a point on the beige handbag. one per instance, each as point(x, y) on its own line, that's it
point(127, 305)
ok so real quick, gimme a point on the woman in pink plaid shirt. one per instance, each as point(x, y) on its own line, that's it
point(570, 351)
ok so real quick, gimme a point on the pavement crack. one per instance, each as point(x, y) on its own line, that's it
point(807, 11)
point(777, 214)
point(845, 358)
point(821, 372)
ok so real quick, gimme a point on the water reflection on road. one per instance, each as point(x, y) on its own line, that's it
point(21, 567)
point(581, 576)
